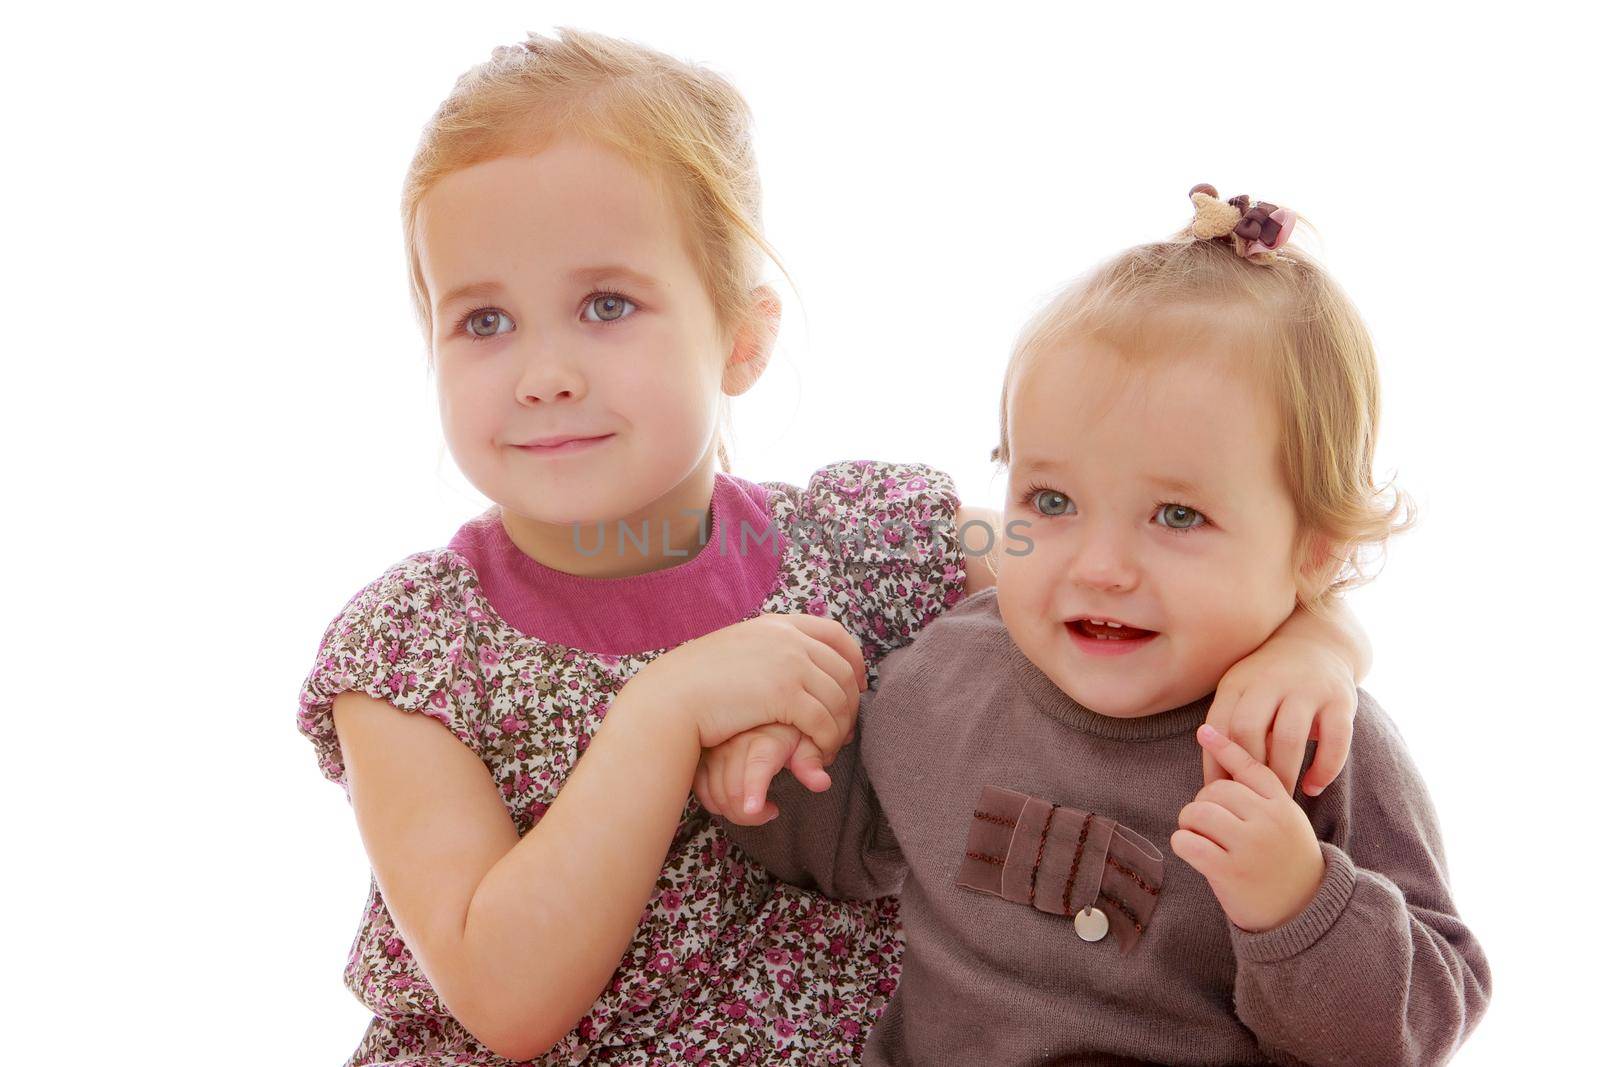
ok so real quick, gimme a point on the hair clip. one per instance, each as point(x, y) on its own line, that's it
point(1255, 230)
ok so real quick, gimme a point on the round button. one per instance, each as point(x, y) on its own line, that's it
point(1091, 924)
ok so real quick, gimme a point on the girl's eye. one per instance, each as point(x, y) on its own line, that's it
point(607, 307)
point(1178, 517)
point(483, 323)
point(1050, 502)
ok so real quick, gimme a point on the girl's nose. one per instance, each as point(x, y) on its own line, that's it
point(1102, 561)
point(546, 377)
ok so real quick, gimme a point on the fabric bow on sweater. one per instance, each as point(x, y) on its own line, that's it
point(1062, 860)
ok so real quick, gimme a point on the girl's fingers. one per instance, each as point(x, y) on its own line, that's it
point(1252, 719)
point(1220, 716)
point(1287, 745)
point(824, 717)
point(1334, 725)
point(1239, 764)
point(842, 641)
point(837, 668)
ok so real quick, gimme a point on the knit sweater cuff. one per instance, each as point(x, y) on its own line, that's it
point(1299, 933)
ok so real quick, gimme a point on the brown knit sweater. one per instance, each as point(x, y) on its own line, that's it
point(999, 808)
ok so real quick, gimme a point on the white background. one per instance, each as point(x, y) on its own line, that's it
point(218, 425)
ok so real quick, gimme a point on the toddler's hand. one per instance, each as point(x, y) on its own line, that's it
point(1250, 840)
point(733, 778)
point(1298, 691)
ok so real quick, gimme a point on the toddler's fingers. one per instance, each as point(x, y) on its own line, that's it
point(763, 758)
point(1333, 728)
point(806, 764)
point(728, 770)
point(702, 789)
point(1220, 716)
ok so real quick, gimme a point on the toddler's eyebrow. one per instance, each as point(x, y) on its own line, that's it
point(1037, 464)
point(470, 291)
point(1166, 483)
point(1176, 485)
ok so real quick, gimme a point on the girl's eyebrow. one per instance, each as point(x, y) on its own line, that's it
point(583, 275)
point(591, 275)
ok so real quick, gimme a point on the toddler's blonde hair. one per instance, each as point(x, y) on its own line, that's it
point(683, 125)
point(1306, 339)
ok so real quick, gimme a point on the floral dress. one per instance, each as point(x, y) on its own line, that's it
point(520, 663)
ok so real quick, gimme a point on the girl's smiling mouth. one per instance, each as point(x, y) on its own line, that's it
point(1107, 637)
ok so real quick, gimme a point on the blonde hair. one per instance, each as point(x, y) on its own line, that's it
point(1307, 338)
point(683, 125)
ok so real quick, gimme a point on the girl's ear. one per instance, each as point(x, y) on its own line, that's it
point(752, 345)
point(1317, 566)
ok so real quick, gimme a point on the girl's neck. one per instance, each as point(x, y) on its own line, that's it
point(665, 533)
point(727, 580)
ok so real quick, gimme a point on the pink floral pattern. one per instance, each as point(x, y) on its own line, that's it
point(729, 965)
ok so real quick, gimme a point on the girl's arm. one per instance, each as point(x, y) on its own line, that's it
point(1299, 685)
point(518, 937)
point(979, 576)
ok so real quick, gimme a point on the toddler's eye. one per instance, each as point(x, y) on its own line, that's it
point(607, 307)
point(1050, 502)
point(1179, 517)
point(486, 322)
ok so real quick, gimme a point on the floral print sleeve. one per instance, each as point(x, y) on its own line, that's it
point(889, 530)
point(728, 964)
point(400, 639)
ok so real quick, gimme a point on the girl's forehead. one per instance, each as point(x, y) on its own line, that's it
point(572, 201)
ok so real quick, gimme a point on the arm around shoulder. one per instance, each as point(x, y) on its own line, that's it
point(979, 575)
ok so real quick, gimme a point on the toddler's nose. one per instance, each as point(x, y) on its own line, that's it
point(1103, 562)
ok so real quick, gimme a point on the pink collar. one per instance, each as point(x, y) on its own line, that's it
point(718, 586)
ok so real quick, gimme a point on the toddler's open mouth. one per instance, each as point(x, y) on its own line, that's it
point(1107, 636)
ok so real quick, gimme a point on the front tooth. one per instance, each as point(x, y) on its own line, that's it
point(1114, 625)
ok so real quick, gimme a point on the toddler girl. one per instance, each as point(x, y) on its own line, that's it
point(517, 717)
point(1189, 440)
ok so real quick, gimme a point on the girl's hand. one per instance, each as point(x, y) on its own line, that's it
point(796, 669)
point(732, 778)
point(1296, 690)
point(1250, 840)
